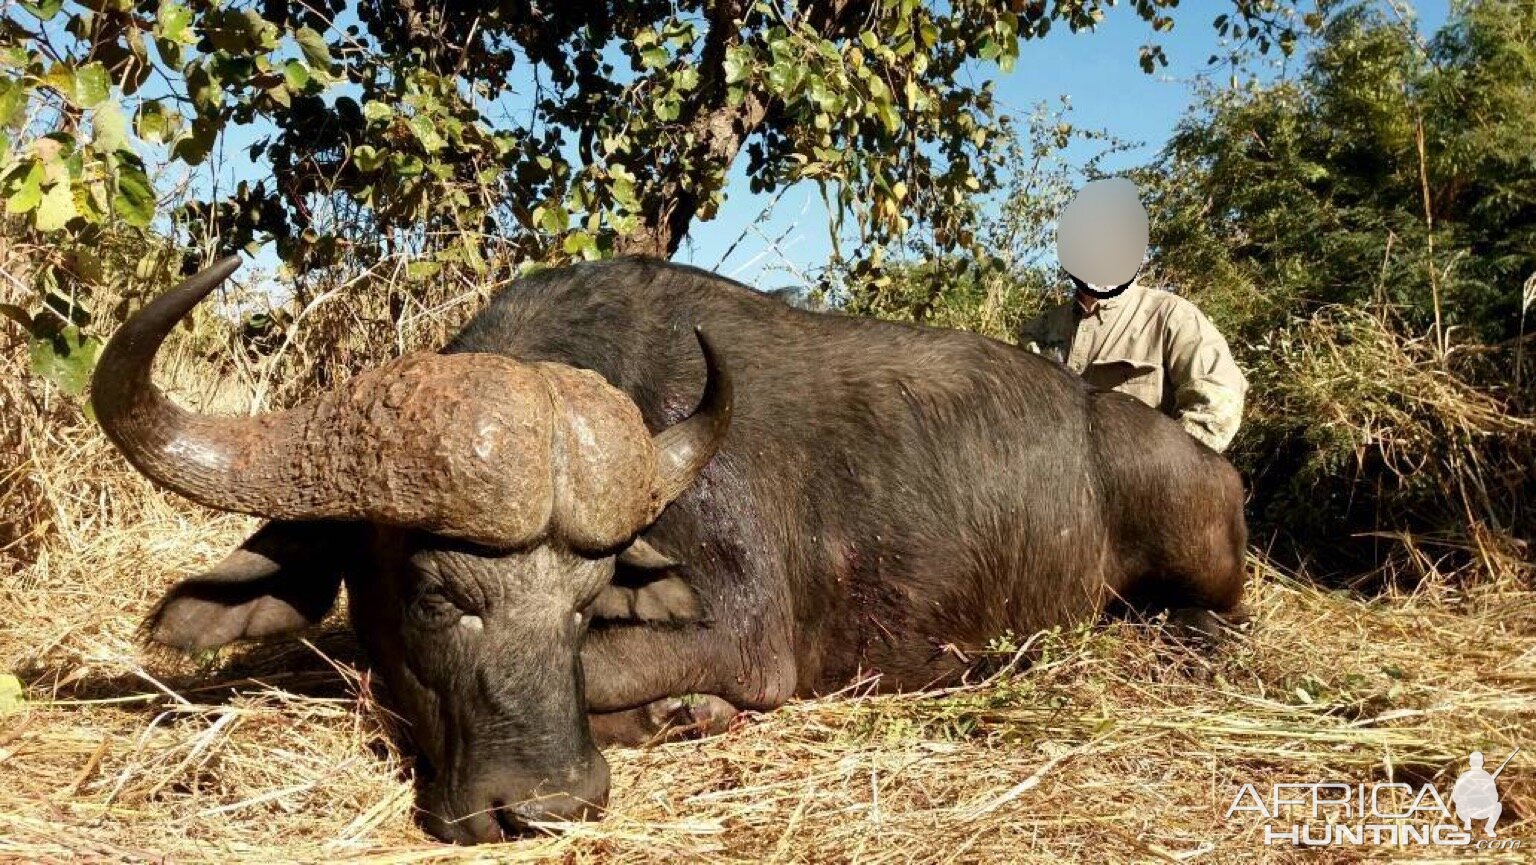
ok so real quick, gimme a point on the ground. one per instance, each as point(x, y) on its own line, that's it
point(1116, 743)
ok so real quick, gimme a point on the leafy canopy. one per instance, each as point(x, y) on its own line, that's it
point(625, 118)
point(462, 135)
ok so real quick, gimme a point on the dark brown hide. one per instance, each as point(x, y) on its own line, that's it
point(888, 499)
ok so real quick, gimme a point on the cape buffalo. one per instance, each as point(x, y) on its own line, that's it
point(548, 538)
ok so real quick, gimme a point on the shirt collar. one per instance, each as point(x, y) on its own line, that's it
point(1102, 305)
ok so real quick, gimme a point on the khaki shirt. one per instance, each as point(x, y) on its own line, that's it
point(1155, 346)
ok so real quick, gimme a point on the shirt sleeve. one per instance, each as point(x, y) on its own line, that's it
point(1208, 386)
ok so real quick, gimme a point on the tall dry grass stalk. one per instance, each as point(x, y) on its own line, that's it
point(1418, 444)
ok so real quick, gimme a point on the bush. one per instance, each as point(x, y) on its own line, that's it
point(1364, 234)
point(1372, 454)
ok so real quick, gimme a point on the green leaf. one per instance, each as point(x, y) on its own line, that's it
point(580, 243)
point(57, 207)
point(65, 358)
point(155, 123)
point(426, 132)
point(194, 146)
point(376, 111)
point(316, 52)
point(735, 69)
point(406, 164)
point(669, 108)
point(784, 75)
point(13, 98)
point(655, 57)
point(554, 219)
point(204, 90)
point(296, 75)
point(61, 77)
point(170, 53)
point(624, 188)
point(44, 9)
point(929, 33)
point(12, 695)
point(279, 93)
point(173, 22)
point(135, 198)
point(419, 270)
point(109, 128)
point(92, 85)
point(27, 192)
point(239, 31)
point(367, 157)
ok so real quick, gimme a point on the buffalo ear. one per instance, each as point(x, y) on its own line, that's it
point(284, 577)
point(648, 588)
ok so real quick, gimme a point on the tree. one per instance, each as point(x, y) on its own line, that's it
point(1388, 170)
point(463, 135)
point(1010, 272)
point(636, 110)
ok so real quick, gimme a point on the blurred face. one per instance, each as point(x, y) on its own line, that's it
point(482, 654)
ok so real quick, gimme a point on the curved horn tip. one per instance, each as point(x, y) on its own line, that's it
point(120, 384)
point(683, 449)
point(206, 279)
point(227, 265)
point(719, 387)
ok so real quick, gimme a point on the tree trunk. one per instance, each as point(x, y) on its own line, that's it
point(720, 128)
point(720, 134)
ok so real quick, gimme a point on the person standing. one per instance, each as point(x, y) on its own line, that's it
point(1119, 335)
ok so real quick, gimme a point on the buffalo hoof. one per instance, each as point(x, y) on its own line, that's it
point(666, 720)
point(689, 717)
point(1198, 625)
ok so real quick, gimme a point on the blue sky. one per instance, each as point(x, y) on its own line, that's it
point(1100, 73)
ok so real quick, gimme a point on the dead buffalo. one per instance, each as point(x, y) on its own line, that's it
point(548, 535)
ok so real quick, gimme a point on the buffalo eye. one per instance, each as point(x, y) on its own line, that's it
point(432, 608)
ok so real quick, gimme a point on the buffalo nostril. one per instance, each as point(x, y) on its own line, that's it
point(480, 827)
point(500, 821)
point(561, 807)
point(507, 820)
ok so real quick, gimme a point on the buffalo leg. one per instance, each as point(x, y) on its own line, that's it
point(630, 667)
point(283, 578)
point(665, 720)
